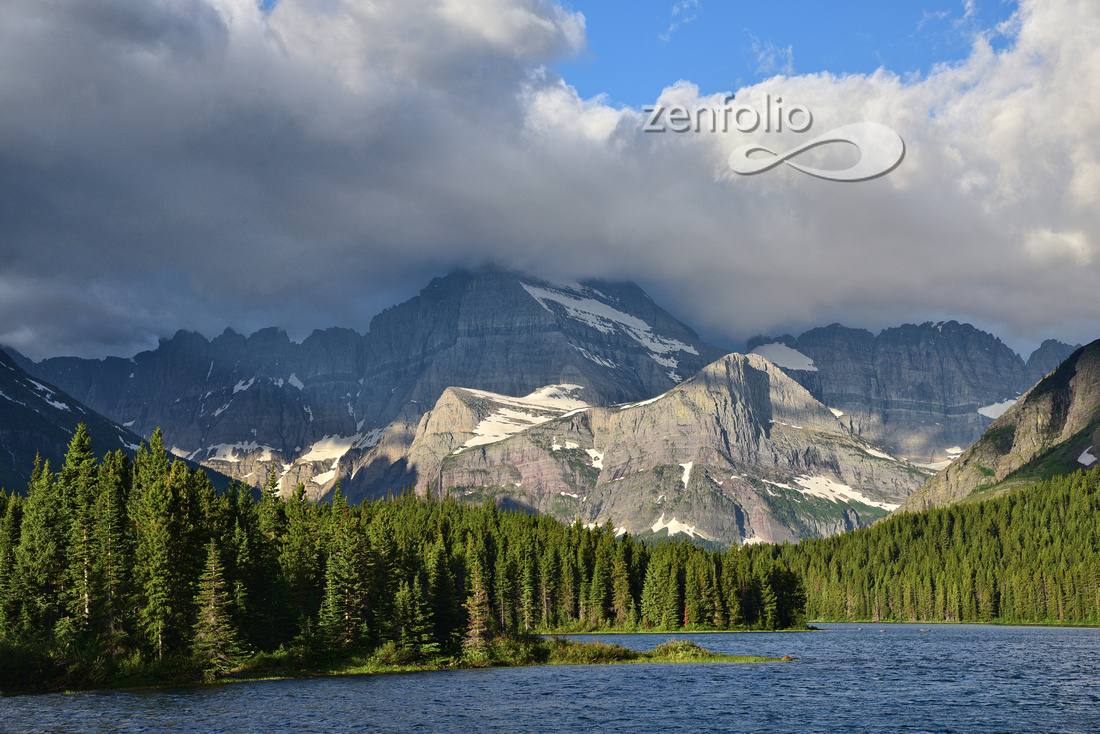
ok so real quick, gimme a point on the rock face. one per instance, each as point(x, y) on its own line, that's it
point(345, 405)
point(739, 453)
point(1053, 429)
point(924, 392)
point(37, 418)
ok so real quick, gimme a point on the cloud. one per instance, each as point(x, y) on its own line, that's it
point(200, 163)
point(683, 12)
point(771, 59)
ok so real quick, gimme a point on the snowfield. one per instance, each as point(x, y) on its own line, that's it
point(783, 356)
point(513, 415)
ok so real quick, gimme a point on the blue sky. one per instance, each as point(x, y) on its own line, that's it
point(638, 47)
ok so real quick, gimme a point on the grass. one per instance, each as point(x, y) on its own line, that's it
point(500, 652)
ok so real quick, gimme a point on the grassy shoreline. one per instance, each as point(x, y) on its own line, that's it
point(504, 652)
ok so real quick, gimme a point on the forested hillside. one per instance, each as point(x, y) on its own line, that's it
point(1029, 556)
point(111, 565)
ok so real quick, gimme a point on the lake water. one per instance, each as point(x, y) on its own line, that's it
point(883, 678)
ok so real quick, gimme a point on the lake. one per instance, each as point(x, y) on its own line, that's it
point(883, 678)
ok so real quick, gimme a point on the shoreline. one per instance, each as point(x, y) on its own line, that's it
point(506, 653)
point(969, 623)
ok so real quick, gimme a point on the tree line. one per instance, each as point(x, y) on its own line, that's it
point(143, 560)
point(1029, 556)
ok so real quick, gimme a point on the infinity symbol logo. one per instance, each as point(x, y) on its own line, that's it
point(880, 151)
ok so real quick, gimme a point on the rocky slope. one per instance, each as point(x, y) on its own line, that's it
point(345, 404)
point(1053, 429)
point(924, 392)
point(37, 418)
point(739, 453)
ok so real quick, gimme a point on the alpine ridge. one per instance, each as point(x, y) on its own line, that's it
point(1052, 430)
point(739, 453)
point(925, 392)
point(341, 405)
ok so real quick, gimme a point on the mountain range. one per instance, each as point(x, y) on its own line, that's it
point(1052, 430)
point(37, 418)
point(925, 392)
point(468, 388)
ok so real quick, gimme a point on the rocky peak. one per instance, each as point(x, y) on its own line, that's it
point(1052, 429)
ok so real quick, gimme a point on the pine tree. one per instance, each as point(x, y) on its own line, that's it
point(215, 649)
point(157, 523)
point(299, 555)
point(622, 603)
point(477, 609)
point(342, 610)
point(77, 484)
point(9, 540)
point(40, 557)
point(114, 549)
point(413, 620)
point(443, 602)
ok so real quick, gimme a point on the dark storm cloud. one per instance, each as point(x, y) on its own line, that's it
point(197, 164)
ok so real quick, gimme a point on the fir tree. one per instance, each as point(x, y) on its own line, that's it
point(215, 649)
point(40, 558)
point(477, 609)
point(158, 532)
point(9, 540)
point(114, 549)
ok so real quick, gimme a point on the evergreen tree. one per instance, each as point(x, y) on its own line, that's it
point(40, 558)
point(215, 648)
point(477, 609)
point(114, 550)
point(159, 531)
point(9, 540)
point(77, 485)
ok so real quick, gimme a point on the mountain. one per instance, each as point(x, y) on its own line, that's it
point(1053, 429)
point(739, 453)
point(924, 392)
point(346, 405)
point(37, 418)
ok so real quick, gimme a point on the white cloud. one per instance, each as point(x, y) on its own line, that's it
point(198, 163)
point(772, 59)
point(683, 12)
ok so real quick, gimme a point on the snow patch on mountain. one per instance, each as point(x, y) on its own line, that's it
point(242, 385)
point(330, 448)
point(829, 489)
point(996, 410)
point(876, 452)
point(1086, 458)
point(687, 472)
point(512, 415)
point(593, 358)
point(674, 526)
point(293, 381)
point(607, 320)
point(232, 452)
point(597, 458)
point(783, 356)
point(9, 397)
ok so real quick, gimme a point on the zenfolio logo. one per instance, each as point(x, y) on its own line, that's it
point(880, 148)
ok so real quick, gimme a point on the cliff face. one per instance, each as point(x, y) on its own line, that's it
point(739, 453)
point(925, 392)
point(38, 419)
point(1053, 429)
point(341, 404)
